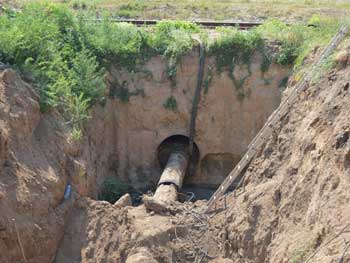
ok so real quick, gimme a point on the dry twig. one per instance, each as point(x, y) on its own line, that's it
point(347, 244)
point(19, 241)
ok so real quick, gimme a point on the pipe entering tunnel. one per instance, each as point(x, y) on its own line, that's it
point(177, 160)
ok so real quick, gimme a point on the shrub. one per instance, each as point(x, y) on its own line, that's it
point(128, 45)
point(300, 254)
point(288, 54)
point(44, 40)
point(76, 134)
point(87, 76)
point(122, 44)
point(233, 47)
point(171, 104)
point(172, 39)
point(129, 10)
point(66, 53)
point(298, 40)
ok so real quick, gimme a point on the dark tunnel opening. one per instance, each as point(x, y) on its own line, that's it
point(178, 143)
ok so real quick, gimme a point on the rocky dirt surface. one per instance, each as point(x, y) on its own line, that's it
point(98, 231)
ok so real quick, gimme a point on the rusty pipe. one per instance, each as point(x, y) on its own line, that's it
point(172, 177)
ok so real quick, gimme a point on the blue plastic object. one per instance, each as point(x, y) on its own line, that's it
point(67, 192)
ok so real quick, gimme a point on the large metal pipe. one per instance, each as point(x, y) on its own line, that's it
point(165, 194)
point(172, 178)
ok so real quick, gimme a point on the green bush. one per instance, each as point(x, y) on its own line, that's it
point(297, 40)
point(288, 54)
point(43, 39)
point(172, 39)
point(129, 10)
point(66, 52)
point(112, 189)
point(233, 47)
point(121, 44)
point(171, 104)
point(127, 45)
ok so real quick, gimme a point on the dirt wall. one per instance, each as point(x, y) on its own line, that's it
point(37, 160)
point(228, 116)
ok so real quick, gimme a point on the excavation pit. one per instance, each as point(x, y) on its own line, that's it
point(145, 128)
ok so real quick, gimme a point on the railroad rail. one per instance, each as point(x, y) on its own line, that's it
point(281, 111)
point(207, 24)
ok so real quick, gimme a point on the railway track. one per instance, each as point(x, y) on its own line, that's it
point(206, 24)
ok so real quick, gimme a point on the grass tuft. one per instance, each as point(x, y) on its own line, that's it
point(171, 104)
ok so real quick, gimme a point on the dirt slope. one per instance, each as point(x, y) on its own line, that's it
point(30, 186)
point(296, 192)
point(37, 159)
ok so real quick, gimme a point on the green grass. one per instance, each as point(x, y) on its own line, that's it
point(235, 47)
point(300, 254)
point(68, 54)
point(294, 42)
point(291, 10)
point(299, 40)
point(172, 39)
point(45, 41)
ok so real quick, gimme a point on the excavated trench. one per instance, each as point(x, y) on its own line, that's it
point(141, 143)
point(147, 137)
point(210, 121)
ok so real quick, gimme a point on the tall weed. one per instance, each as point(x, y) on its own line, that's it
point(43, 39)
